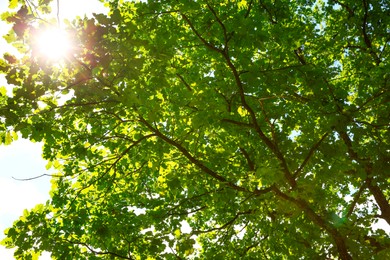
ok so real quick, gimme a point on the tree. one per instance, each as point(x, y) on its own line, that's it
point(263, 125)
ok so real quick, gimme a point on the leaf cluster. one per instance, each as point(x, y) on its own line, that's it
point(263, 125)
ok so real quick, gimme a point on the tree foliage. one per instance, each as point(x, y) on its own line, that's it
point(263, 125)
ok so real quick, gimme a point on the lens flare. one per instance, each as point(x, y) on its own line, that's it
point(53, 43)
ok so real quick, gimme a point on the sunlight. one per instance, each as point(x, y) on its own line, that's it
point(53, 43)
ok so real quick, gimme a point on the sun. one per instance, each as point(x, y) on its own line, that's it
point(53, 43)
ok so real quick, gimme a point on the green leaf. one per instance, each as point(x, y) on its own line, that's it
point(8, 138)
point(258, 123)
point(3, 91)
point(13, 4)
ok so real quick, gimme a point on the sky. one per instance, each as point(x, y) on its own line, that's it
point(22, 159)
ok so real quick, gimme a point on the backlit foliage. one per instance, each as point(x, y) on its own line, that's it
point(262, 124)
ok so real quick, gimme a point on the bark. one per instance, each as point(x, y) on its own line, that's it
point(380, 198)
point(338, 239)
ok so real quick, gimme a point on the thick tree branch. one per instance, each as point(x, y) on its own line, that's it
point(346, 7)
point(251, 164)
point(347, 141)
point(249, 9)
point(376, 244)
point(270, 124)
point(200, 37)
point(316, 219)
point(238, 123)
point(367, 40)
point(299, 54)
point(313, 149)
point(356, 198)
point(184, 82)
point(225, 34)
point(189, 156)
point(272, 146)
point(198, 163)
point(381, 199)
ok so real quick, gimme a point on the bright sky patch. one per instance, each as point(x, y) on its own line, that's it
point(53, 43)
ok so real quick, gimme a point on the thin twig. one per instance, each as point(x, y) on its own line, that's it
point(58, 14)
point(37, 177)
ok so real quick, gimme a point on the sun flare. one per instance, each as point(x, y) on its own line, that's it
point(53, 43)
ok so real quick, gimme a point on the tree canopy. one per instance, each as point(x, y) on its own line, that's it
point(262, 126)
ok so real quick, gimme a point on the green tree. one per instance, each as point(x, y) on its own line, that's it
point(262, 124)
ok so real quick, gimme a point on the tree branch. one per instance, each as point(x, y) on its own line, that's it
point(346, 7)
point(117, 159)
point(272, 146)
point(316, 219)
point(229, 223)
point(270, 16)
point(184, 82)
point(97, 252)
point(251, 164)
point(249, 9)
point(200, 37)
point(381, 199)
point(234, 122)
point(310, 154)
point(189, 156)
point(225, 35)
point(37, 177)
point(367, 40)
point(355, 199)
point(197, 162)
